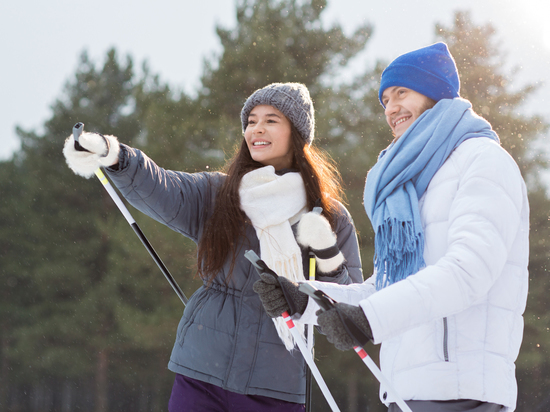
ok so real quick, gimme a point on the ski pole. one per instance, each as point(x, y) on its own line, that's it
point(309, 339)
point(310, 328)
point(77, 130)
point(311, 277)
point(261, 267)
point(326, 303)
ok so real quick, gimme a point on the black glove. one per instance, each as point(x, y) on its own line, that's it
point(345, 326)
point(278, 294)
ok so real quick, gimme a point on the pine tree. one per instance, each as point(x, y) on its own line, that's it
point(480, 64)
point(276, 41)
point(90, 304)
point(98, 294)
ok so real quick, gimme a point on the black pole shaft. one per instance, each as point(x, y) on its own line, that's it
point(309, 383)
point(77, 131)
point(159, 263)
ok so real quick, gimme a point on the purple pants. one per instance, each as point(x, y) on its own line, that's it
point(191, 395)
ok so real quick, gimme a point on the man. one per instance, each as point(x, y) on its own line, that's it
point(450, 214)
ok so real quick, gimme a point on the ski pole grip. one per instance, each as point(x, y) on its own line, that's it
point(259, 264)
point(77, 131)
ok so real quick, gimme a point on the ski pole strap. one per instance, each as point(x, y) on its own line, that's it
point(261, 268)
point(353, 330)
point(77, 131)
point(327, 253)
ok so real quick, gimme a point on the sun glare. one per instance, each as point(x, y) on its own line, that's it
point(546, 34)
point(539, 12)
point(531, 17)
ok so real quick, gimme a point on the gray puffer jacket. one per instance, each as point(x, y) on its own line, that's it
point(224, 336)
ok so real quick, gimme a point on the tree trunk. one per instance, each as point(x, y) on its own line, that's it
point(67, 396)
point(4, 365)
point(158, 401)
point(101, 399)
point(352, 391)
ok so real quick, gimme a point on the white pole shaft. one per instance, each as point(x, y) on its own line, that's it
point(381, 378)
point(116, 198)
point(311, 363)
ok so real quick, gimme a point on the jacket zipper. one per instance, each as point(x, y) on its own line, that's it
point(445, 340)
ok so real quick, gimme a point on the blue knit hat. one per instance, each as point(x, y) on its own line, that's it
point(430, 71)
point(292, 99)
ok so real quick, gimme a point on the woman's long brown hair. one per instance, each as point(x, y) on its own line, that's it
point(225, 228)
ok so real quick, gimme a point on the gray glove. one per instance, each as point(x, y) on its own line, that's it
point(314, 232)
point(278, 295)
point(345, 326)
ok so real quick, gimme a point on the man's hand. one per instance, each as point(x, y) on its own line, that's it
point(337, 333)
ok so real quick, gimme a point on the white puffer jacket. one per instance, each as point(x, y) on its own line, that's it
point(454, 329)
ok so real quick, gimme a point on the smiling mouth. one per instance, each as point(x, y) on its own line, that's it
point(403, 119)
point(260, 143)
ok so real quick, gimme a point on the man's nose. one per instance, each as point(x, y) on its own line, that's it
point(391, 108)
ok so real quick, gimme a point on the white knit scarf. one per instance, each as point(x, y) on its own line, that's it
point(272, 204)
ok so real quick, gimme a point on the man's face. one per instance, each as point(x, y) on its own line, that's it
point(403, 107)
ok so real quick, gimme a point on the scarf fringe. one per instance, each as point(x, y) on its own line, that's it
point(399, 252)
point(271, 201)
point(286, 335)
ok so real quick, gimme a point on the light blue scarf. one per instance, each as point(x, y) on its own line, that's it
point(400, 177)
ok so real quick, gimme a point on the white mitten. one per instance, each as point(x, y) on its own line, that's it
point(314, 232)
point(101, 151)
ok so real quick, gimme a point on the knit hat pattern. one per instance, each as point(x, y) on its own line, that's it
point(430, 71)
point(291, 99)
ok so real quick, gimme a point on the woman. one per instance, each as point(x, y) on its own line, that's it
point(229, 354)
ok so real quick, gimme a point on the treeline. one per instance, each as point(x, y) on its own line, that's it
point(87, 320)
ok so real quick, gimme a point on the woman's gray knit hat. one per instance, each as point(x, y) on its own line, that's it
point(292, 99)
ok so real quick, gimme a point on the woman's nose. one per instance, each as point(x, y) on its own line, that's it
point(258, 128)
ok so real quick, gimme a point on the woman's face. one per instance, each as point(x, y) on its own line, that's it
point(268, 137)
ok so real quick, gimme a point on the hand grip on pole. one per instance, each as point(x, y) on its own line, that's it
point(77, 131)
point(326, 303)
point(261, 267)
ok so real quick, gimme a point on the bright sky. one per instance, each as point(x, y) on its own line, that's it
point(41, 42)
